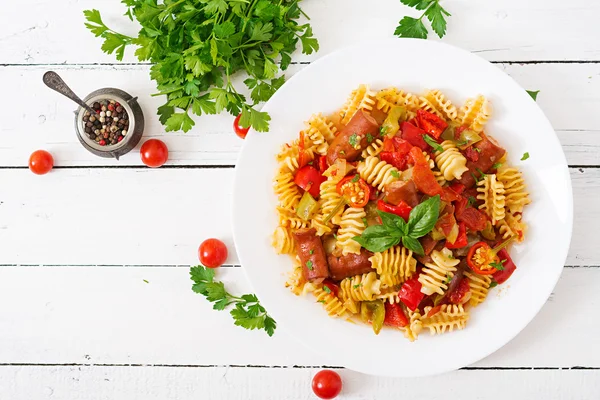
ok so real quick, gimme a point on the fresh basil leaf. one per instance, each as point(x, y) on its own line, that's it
point(423, 217)
point(413, 244)
point(402, 226)
point(376, 231)
point(389, 220)
point(377, 244)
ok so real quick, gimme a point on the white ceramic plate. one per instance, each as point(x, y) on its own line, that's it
point(517, 123)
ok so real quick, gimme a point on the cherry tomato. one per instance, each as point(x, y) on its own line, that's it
point(241, 132)
point(309, 178)
point(212, 253)
point(154, 153)
point(40, 162)
point(327, 384)
point(458, 295)
point(394, 315)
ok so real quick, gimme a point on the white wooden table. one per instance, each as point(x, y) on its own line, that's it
point(79, 321)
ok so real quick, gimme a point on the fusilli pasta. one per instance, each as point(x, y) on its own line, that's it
point(394, 266)
point(491, 191)
point(475, 113)
point(479, 285)
point(435, 276)
point(377, 173)
point(450, 317)
point(363, 98)
point(361, 287)
point(450, 161)
point(351, 225)
point(516, 197)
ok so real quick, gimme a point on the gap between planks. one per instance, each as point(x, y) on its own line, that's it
point(573, 368)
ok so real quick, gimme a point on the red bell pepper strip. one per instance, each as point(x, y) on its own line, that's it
point(394, 316)
point(458, 187)
point(431, 123)
point(433, 311)
point(401, 210)
point(322, 163)
point(410, 293)
point(303, 156)
point(309, 179)
point(414, 135)
point(509, 267)
point(461, 241)
point(457, 296)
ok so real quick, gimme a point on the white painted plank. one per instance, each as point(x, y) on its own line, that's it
point(498, 30)
point(109, 315)
point(159, 217)
point(570, 94)
point(150, 383)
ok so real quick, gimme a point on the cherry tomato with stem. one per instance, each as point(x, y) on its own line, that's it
point(309, 178)
point(241, 132)
point(154, 153)
point(327, 384)
point(41, 162)
point(212, 253)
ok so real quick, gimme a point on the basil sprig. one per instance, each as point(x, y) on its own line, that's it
point(394, 229)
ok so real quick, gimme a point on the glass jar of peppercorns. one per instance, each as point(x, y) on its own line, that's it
point(115, 128)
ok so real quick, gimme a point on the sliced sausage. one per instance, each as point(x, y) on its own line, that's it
point(489, 154)
point(349, 265)
point(361, 125)
point(428, 244)
point(398, 191)
point(311, 253)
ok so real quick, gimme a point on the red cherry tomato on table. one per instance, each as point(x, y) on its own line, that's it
point(241, 132)
point(212, 253)
point(40, 162)
point(327, 384)
point(154, 153)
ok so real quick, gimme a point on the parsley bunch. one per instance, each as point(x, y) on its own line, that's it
point(422, 219)
point(247, 311)
point(196, 46)
point(414, 28)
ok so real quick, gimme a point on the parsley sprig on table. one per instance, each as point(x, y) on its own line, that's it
point(414, 28)
point(196, 46)
point(247, 311)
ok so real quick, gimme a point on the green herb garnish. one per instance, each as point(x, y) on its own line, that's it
point(395, 174)
point(472, 200)
point(525, 156)
point(311, 252)
point(355, 178)
point(247, 311)
point(326, 289)
point(197, 46)
point(493, 283)
point(422, 219)
point(496, 165)
point(533, 94)
point(431, 141)
point(309, 265)
point(414, 28)
point(369, 138)
point(365, 222)
point(498, 265)
point(357, 286)
point(353, 140)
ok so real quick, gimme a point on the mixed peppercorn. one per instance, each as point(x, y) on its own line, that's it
point(110, 124)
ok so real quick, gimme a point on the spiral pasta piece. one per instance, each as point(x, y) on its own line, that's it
point(283, 241)
point(361, 97)
point(296, 281)
point(286, 190)
point(330, 198)
point(351, 225)
point(491, 191)
point(479, 285)
point(415, 325)
point(450, 317)
point(426, 105)
point(331, 304)
point(434, 275)
point(515, 194)
point(512, 226)
point(394, 266)
point(373, 149)
point(389, 295)
point(377, 173)
point(475, 113)
point(392, 97)
point(441, 103)
point(290, 219)
point(323, 125)
point(363, 287)
point(450, 161)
